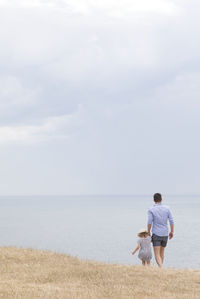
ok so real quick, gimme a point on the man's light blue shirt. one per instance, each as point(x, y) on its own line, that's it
point(158, 217)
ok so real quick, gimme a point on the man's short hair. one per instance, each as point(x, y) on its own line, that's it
point(157, 197)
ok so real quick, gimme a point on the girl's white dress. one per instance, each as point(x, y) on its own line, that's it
point(145, 252)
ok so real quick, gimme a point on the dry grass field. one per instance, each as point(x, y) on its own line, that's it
point(27, 274)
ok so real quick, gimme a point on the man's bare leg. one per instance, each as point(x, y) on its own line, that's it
point(157, 255)
point(162, 250)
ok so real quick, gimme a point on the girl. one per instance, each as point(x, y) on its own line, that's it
point(144, 244)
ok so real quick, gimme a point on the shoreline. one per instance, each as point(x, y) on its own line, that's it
point(31, 273)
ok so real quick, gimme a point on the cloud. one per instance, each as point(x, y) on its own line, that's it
point(128, 7)
point(53, 60)
point(112, 86)
point(57, 128)
point(30, 3)
point(182, 91)
point(89, 6)
point(13, 94)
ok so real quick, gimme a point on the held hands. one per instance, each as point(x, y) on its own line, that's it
point(171, 234)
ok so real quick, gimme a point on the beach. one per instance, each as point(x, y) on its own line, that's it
point(29, 273)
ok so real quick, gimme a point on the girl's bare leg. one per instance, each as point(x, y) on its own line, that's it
point(143, 262)
point(148, 263)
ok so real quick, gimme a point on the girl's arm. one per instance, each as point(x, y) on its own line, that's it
point(136, 249)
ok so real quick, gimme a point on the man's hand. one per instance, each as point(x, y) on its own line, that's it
point(171, 234)
point(149, 229)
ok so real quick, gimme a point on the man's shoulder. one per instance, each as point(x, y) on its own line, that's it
point(164, 207)
point(151, 209)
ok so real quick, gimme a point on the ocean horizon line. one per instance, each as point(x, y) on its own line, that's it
point(98, 195)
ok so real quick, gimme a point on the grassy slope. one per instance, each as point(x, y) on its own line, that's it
point(27, 273)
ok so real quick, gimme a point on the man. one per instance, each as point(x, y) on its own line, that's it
point(158, 217)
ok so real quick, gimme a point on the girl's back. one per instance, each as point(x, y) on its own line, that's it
point(145, 248)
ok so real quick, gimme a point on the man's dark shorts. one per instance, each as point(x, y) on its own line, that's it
point(159, 241)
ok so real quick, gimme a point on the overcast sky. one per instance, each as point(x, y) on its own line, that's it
point(99, 97)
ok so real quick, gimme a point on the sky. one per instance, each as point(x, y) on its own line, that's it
point(99, 97)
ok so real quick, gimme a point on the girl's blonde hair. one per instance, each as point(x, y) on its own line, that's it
point(143, 234)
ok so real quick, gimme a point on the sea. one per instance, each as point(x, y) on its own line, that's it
point(99, 228)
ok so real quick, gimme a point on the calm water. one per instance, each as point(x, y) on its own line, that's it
point(98, 228)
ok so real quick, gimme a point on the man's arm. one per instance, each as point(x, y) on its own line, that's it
point(150, 221)
point(171, 221)
point(149, 229)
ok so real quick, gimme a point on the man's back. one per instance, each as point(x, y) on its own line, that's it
point(158, 217)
